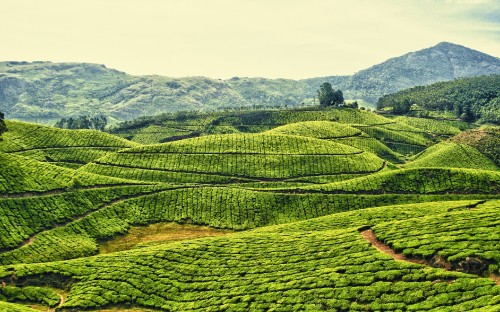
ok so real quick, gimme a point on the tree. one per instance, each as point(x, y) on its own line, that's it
point(354, 105)
point(338, 97)
point(468, 114)
point(328, 97)
point(3, 127)
point(400, 108)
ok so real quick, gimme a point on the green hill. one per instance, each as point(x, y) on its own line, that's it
point(22, 175)
point(67, 148)
point(382, 136)
point(452, 155)
point(322, 219)
point(318, 129)
point(485, 139)
point(419, 180)
point(218, 158)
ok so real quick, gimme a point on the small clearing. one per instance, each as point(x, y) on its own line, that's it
point(139, 236)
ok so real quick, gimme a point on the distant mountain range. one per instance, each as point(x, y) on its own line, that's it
point(45, 91)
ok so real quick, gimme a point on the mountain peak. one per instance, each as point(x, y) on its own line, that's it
point(442, 62)
point(447, 45)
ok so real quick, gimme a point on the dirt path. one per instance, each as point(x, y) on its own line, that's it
point(372, 239)
point(61, 302)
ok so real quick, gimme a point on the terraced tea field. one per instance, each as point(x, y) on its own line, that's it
point(338, 210)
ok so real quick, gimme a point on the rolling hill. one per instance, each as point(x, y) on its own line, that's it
point(336, 209)
point(44, 92)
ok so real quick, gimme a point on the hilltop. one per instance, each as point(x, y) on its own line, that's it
point(45, 92)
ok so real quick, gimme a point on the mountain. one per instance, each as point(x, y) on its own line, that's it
point(442, 62)
point(45, 91)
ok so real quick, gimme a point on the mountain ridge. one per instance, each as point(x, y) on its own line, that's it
point(45, 92)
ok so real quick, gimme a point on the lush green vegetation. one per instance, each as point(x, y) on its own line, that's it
point(469, 98)
point(22, 175)
point(420, 181)
point(316, 264)
point(450, 237)
point(318, 129)
point(296, 187)
point(453, 155)
point(66, 148)
point(485, 139)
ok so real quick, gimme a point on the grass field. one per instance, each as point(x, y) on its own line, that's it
point(262, 210)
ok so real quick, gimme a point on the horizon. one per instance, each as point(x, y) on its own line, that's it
point(224, 39)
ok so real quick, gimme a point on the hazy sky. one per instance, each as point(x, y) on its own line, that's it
point(225, 38)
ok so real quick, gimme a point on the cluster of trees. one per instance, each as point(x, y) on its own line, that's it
point(3, 127)
point(329, 97)
point(470, 99)
point(83, 122)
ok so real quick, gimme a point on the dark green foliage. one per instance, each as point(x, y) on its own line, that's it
point(329, 97)
point(401, 108)
point(469, 98)
point(83, 122)
point(3, 127)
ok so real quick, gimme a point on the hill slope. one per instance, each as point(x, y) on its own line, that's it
point(467, 98)
point(45, 92)
point(287, 186)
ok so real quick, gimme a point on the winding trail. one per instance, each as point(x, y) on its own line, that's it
point(370, 237)
point(61, 302)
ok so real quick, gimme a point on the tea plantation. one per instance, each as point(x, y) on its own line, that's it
point(295, 190)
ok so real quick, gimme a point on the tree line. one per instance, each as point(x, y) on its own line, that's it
point(83, 122)
point(470, 99)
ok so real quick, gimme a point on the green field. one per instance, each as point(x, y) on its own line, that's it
point(119, 221)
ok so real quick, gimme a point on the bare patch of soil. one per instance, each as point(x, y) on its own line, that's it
point(372, 239)
point(158, 232)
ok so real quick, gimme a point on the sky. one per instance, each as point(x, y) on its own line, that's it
point(246, 38)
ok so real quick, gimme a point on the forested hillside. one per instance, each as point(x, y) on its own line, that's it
point(470, 99)
point(46, 92)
